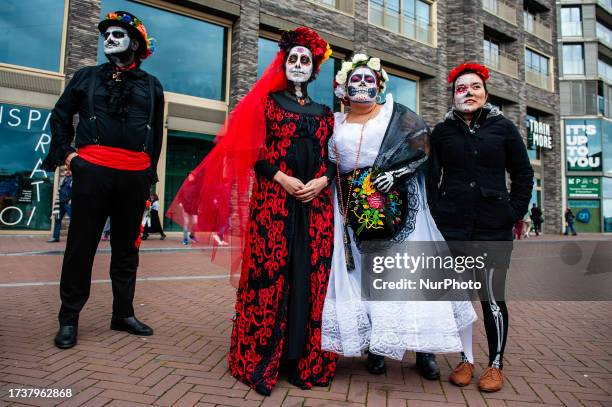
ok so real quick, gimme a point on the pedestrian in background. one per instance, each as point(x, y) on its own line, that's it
point(569, 222)
point(107, 229)
point(62, 205)
point(153, 224)
point(537, 219)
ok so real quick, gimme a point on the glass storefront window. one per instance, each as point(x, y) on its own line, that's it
point(321, 90)
point(587, 215)
point(536, 193)
point(184, 151)
point(404, 91)
point(25, 189)
point(32, 33)
point(190, 56)
point(607, 148)
point(607, 203)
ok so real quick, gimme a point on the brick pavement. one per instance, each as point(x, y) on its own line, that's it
point(558, 353)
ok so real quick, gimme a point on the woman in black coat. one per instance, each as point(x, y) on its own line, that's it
point(472, 149)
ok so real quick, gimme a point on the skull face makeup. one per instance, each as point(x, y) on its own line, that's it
point(116, 40)
point(298, 66)
point(362, 86)
point(470, 94)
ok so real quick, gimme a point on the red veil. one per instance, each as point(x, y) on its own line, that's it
point(217, 191)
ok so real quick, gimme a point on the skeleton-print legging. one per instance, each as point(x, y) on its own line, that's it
point(495, 312)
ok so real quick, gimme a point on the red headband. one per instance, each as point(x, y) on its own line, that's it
point(469, 66)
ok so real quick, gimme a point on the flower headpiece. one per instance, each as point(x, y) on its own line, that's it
point(308, 38)
point(355, 62)
point(478, 69)
point(134, 26)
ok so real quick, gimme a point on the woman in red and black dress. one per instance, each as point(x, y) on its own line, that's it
point(288, 233)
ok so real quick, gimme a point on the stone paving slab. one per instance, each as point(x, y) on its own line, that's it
point(558, 353)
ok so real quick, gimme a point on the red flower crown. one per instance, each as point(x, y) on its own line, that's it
point(480, 70)
point(308, 38)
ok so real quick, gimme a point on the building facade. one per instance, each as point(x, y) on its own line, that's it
point(585, 46)
point(210, 52)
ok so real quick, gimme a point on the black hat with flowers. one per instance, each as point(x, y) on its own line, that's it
point(134, 26)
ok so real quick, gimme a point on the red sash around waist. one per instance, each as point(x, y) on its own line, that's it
point(117, 158)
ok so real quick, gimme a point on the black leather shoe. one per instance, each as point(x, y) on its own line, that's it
point(263, 390)
point(66, 337)
point(293, 376)
point(427, 365)
point(131, 325)
point(376, 364)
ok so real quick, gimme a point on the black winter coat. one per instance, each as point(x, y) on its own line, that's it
point(467, 190)
point(129, 132)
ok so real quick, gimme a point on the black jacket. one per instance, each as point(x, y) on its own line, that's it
point(467, 176)
point(130, 132)
point(536, 215)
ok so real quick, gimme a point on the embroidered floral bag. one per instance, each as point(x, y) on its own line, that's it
point(371, 213)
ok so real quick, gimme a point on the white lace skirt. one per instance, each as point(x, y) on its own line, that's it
point(388, 328)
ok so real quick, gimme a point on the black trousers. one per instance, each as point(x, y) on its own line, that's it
point(498, 245)
point(99, 192)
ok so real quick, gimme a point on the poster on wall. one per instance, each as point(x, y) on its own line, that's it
point(587, 215)
point(583, 187)
point(25, 188)
point(583, 145)
point(538, 135)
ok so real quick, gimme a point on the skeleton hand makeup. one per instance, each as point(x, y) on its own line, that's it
point(362, 86)
point(298, 66)
point(386, 180)
point(470, 94)
point(116, 40)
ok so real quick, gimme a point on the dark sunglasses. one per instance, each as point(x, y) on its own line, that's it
point(116, 34)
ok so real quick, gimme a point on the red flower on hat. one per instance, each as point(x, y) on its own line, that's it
point(310, 39)
point(478, 69)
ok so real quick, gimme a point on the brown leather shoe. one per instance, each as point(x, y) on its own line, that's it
point(462, 375)
point(491, 380)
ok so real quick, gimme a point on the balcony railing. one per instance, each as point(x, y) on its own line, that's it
point(500, 9)
point(410, 27)
point(346, 6)
point(604, 34)
point(538, 29)
point(573, 67)
point(538, 79)
point(502, 63)
point(571, 29)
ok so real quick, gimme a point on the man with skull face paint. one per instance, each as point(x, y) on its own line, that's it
point(118, 142)
point(393, 141)
point(275, 139)
point(472, 149)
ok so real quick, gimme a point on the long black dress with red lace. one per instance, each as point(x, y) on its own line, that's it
point(288, 252)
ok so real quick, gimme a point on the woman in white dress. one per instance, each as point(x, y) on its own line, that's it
point(392, 139)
